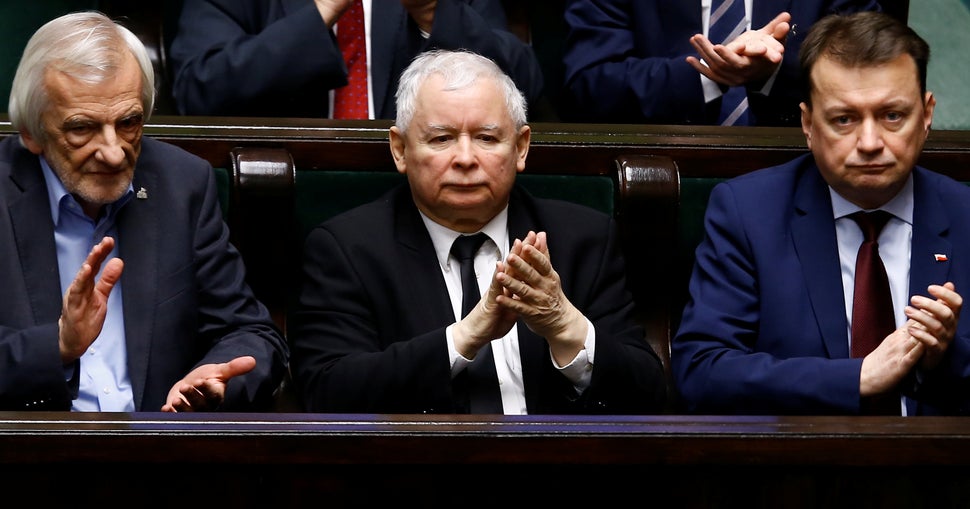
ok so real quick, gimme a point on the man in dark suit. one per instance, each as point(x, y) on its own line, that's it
point(637, 61)
point(380, 325)
point(121, 290)
point(279, 58)
point(776, 301)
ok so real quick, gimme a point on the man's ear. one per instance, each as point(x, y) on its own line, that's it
point(522, 147)
point(398, 148)
point(806, 123)
point(929, 104)
point(31, 143)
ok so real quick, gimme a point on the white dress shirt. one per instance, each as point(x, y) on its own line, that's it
point(505, 351)
point(895, 246)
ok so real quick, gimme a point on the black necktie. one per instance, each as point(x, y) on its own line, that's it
point(872, 304)
point(483, 390)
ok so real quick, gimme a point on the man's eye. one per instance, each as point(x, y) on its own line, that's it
point(79, 129)
point(130, 123)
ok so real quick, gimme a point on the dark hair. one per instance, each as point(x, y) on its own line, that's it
point(861, 39)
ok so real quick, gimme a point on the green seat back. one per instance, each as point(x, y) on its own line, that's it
point(323, 194)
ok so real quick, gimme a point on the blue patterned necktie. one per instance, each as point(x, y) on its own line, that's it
point(727, 22)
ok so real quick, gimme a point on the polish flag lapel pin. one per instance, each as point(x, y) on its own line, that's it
point(940, 257)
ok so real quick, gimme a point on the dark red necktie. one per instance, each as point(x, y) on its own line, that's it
point(350, 101)
point(872, 304)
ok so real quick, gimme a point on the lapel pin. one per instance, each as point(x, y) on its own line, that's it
point(142, 194)
point(940, 257)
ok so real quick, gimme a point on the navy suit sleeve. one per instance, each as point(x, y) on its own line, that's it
point(239, 58)
point(743, 347)
point(625, 63)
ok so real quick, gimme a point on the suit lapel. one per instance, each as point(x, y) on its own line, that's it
point(931, 225)
point(33, 228)
point(813, 234)
point(138, 248)
point(418, 261)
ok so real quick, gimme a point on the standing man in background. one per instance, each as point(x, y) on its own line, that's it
point(281, 58)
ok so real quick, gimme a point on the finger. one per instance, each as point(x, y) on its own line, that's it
point(99, 253)
point(542, 244)
point(946, 294)
point(701, 68)
point(537, 260)
point(109, 276)
point(777, 24)
point(193, 396)
point(926, 318)
point(923, 339)
point(522, 269)
point(236, 367)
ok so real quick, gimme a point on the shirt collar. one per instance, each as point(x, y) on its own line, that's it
point(900, 206)
point(443, 237)
point(58, 196)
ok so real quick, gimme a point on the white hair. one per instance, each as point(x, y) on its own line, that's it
point(88, 46)
point(459, 69)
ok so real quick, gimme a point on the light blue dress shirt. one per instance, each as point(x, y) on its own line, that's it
point(103, 384)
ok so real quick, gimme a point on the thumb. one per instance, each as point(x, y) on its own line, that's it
point(236, 367)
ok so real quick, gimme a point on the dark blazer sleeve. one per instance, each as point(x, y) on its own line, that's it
point(185, 295)
point(255, 58)
point(625, 60)
point(628, 377)
point(750, 340)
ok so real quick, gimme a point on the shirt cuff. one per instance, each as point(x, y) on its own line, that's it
point(579, 371)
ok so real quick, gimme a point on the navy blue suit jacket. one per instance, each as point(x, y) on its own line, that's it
point(765, 329)
point(370, 332)
point(184, 296)
point(625, 60)
point(277, 58)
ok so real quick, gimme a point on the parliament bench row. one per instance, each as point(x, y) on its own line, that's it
point(281, 177)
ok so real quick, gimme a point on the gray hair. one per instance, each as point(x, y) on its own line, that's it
point(459, 69)
point(85, 45)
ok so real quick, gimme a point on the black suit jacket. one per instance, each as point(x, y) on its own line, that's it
point(184, 296)
point(369, 335)
point(277, 58)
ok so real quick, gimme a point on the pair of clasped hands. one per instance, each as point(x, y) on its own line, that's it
point(751, 57)
point(920, 343)
point(525, 286)
point(83, 312)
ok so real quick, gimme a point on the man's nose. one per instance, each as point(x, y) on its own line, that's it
point(870, 136)
point(110, 148)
